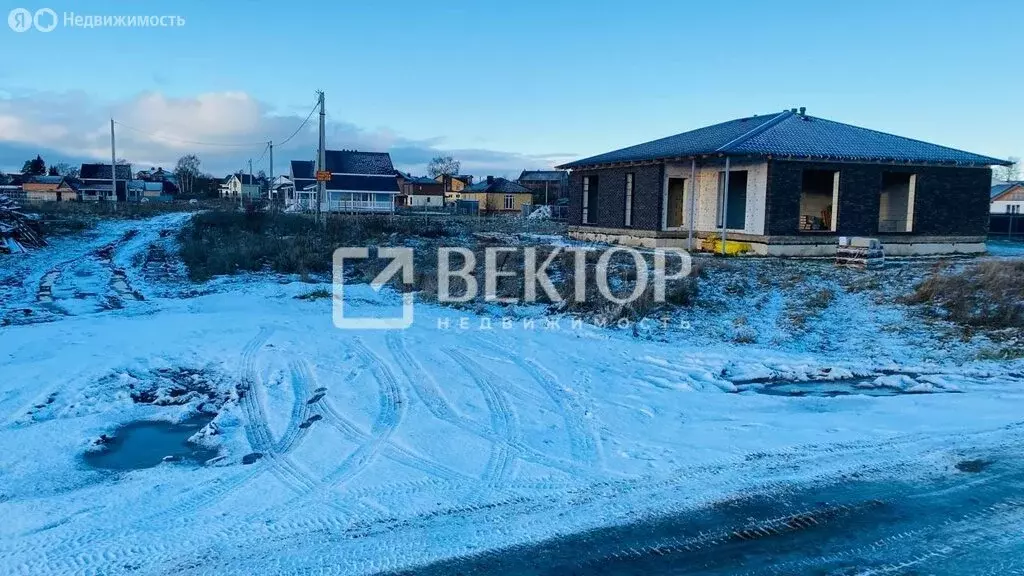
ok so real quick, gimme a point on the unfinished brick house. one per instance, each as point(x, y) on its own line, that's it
point(784, 184)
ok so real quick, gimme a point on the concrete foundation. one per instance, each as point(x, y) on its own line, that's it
point(810, 246)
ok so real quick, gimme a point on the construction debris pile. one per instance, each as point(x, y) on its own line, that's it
point(18, 231)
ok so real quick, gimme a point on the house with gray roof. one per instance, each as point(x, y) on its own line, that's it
point(1007, 197)
point(549, 186)
point(97, 182)
point(302, 173)
point(242, 184)
point(360, 182)
point(497, 195)
point(786, 184)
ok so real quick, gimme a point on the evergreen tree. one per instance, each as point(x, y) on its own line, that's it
point(36, 167)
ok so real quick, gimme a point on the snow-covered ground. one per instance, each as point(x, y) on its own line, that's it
point(381, 451)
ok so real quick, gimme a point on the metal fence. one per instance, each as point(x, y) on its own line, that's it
point(1006, 225)
point(13, 194)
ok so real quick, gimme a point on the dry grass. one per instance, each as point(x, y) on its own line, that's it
point(217, 243)
point(987, 294)
point(59, 218)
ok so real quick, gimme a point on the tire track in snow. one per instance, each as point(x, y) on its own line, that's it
point(301, 378)
point(504, 422)
point(389, 416)
point(584, 441)
point(583, 438)
point(390, 450)
point(391, 411)
point(256, 430)
point(428, 391)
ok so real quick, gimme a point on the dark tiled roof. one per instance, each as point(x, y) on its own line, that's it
point(428, 188)
point(102, 172)
point(301, 183)
point(543, 175)
point(352, 162)
point(499, 186)
point(998, 189)
point(303, 169)
point(44, 179)
point(244, 178)
point(363, 183)
point(424, 180)
point(789, 134)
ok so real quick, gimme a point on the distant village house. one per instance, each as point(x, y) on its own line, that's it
point(96, 182)
point(548, 186)
point(497, 195)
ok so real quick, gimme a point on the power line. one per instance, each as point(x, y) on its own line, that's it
point(265, 148)
point(304, 122)
point(220, 144)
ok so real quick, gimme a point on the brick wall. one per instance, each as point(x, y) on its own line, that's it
point(611, 201)
point(948, 201)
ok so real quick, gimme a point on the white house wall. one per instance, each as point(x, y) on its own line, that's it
point(707, 193)
point(999, 206)
point(426, 200)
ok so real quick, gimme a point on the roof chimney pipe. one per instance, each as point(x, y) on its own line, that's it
point(793, 110)
point(490, 179)
point(803, 110)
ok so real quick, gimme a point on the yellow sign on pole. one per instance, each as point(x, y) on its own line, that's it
point(323, 175)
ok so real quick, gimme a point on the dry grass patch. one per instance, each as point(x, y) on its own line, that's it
point(986, 294)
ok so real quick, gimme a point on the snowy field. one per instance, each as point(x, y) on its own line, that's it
point(346, 452)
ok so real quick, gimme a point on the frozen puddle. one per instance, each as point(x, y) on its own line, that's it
point(868, 386)
point(145, 444)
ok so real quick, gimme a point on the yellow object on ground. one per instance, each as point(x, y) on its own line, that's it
point(732, 248)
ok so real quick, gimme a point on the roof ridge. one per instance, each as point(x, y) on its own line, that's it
point(774, 120)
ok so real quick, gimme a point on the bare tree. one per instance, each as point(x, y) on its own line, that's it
point(1007, 173)
point(187, 170)
point(65, 169)
point(443, 166)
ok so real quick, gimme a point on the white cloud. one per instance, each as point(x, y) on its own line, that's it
point(225, 129)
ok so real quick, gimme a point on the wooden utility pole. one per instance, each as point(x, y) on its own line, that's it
point(271, 185)
point(113, 166)
point(321, 158)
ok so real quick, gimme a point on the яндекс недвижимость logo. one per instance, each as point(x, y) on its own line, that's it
point(22, 19)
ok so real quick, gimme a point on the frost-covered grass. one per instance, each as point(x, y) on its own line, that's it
point(987, 294)
point(222, 242)
point(64, 218)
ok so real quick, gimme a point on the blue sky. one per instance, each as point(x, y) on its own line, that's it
point(508, 85)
